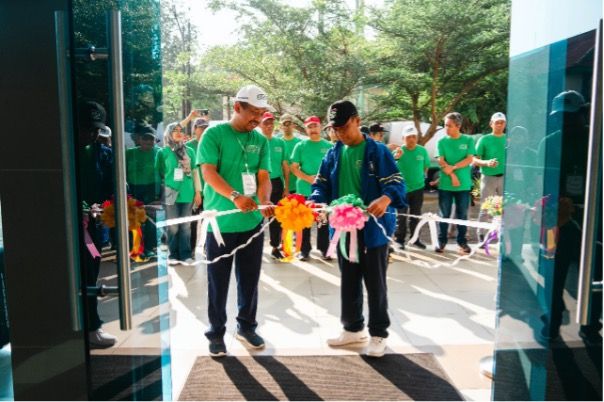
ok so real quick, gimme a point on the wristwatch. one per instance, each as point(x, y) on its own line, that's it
point(234, 194)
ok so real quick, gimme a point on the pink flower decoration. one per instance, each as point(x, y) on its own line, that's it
point(347, 218)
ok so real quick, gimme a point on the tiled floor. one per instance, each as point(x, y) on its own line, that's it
point(448, 311)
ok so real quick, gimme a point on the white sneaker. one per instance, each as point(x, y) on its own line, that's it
point(347, 338)
point(377, 346)
point(101, 339)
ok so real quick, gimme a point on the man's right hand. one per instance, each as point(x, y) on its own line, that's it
point(245, 204)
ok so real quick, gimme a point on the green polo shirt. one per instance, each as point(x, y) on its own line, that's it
point(349, 173)
point(309, 155)
point(277, 153)
point(289, 148)
point(412, 165)
point(492, 146)
point(230, 151)
point(456, 150)
point(166, 162)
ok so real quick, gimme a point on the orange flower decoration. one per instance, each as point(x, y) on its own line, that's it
point(136, 213)
point(294, 214)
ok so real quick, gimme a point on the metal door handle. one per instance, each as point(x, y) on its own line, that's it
point(586, 286)
point(119, 158)
point(71, 205)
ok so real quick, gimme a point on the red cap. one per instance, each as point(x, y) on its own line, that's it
point(312, 119)
point(267, 115)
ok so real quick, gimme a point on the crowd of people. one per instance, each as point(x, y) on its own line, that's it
point(244, 164)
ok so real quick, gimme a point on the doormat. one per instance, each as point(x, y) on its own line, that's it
point(317, 378)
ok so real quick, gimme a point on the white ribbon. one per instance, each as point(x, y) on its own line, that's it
point(208, 219)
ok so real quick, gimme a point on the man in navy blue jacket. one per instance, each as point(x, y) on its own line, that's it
point(359, 165)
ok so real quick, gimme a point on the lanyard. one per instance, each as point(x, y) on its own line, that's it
point(244, 151)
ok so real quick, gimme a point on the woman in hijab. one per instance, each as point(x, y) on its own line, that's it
point(175, 164)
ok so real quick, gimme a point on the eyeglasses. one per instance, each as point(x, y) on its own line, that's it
point(287, 123)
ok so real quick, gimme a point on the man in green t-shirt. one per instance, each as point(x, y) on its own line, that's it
point(490, 156)
point(455, 154)
point(306, 161)
point(235, 160)
point(200, 125)
point(361, 166)
point(279, 177)
point(413, 163)
point(287, 127)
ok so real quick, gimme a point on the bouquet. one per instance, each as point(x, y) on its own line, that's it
point(136, 213)
point(493, 206)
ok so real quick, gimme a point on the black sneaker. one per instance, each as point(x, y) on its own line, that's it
point(419, 244)
point(276, 253)
point(440, 248)
point(326, 258)
point(303, 257)
point(217, 348)
point(251, 339)
point(464, 249)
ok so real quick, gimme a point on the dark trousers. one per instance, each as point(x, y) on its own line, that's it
point(322, 240)
point(275, 227)
point(415, 199)
point(445, 203)
point(195, 211)
point(371, 269)
point(179, 236)
point(92, 267)
point(247, 272)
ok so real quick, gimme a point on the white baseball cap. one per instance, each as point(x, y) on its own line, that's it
point(409, 130)
point(498, 116)
point(253, 95)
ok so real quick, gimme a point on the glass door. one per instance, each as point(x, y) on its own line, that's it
point(116, 95)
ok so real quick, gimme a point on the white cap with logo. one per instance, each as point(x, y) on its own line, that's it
point(498, 116)
point(253, 95)
point(409, 130)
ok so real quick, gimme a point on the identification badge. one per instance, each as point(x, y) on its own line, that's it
point(178, 174)
point(249, 183)
point(518, 174)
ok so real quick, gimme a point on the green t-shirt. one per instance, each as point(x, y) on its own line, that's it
point(140, 166)
point(193, 144)
point(349, 173)
point(492, 146)
point(412, 165)
point(456, 150)
point(229, 150)
point(289, 148)
point(277, 153)
point(166, 162)
point(309, 155)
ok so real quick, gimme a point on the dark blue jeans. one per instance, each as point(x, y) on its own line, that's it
point(247, 272)
point(445, 203)
point(179, 236)
point(371, 269)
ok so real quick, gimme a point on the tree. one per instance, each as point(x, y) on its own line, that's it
point(437, 56)
point(305, 58)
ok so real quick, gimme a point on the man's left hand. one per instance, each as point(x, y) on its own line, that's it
point(378, 206)
point(269, 210)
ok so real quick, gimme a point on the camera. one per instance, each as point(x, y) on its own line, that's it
point(204, 112)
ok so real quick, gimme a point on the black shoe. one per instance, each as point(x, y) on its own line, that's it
point(440, 248)
point(464, 249)
point(276, 253)
point(326, 258)
point(419, 244)
point(217, 348)
point(251, 339)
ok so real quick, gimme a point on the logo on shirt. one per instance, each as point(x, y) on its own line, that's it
point(419, 158)
point(254, 149)
point(463, 146)
point(278, 149)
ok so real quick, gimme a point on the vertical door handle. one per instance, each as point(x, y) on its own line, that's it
point(119, 158)
point(591, 189)
point(68, 164)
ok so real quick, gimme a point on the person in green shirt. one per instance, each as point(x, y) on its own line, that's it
point(306, 161)
point(413, 163)
point(235, 160)
point(455, 154)
point(175, 163)
point(490, 156)
point(279, 177)
point(143, 180)
point(287, 127)
point(199, 126)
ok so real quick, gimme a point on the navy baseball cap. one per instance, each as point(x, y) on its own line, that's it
point(340, 112)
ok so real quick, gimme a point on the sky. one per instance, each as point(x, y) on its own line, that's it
point(221, 28)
